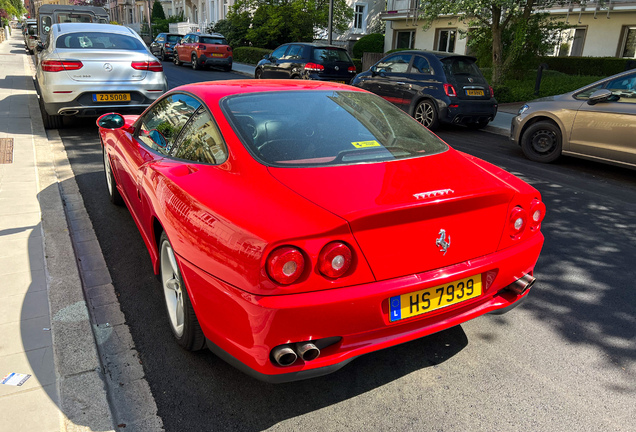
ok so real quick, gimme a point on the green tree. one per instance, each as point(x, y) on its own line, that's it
point(9, 8)
point(506, 23)
point(157, 12)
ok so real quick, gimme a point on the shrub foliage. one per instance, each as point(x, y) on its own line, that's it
point(369, 43)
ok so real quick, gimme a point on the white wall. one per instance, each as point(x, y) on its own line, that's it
point(425, 39)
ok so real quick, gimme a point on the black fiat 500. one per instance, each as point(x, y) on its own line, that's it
point(433, 87)
point(307, 61)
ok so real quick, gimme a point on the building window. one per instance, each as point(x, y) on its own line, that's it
point(446, 40)
point(628, 47)
point(577, 42)
point(405, 39)
point(359, 17)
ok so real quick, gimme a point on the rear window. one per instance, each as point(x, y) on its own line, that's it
point(74, 18)
point(99, 41)
point(460, 67)
point(212, 40)
point(326, 128)
point(331, 55)
point(173, 38)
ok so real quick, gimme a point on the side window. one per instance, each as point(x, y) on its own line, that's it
point(201, 140)
point(624, 87)
point(194, 39)
point(280, 52)
point(160, 39)
point(162, 124)
point(421, 66)
point(397, 64)
point(293, 53)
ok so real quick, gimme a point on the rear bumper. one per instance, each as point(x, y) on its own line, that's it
point(470, 111)
point(243, 328)
point(215, 61)
point(83, 105)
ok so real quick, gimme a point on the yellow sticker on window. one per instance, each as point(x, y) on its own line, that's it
point(363, 144)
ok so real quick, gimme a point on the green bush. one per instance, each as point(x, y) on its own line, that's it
point(249, 55)
point(597, 66)
point(370, 43)
point(552, 83)
point(358, 64)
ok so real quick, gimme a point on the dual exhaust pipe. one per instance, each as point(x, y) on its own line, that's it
point(522, 285)
point(286, 355)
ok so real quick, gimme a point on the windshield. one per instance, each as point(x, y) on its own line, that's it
point(212, 40)
point(324, 128)
point(99, 41)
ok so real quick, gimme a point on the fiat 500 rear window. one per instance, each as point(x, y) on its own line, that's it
point(98, 41)
point(324, 128)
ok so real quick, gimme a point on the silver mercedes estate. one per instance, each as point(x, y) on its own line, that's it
point(88, 69)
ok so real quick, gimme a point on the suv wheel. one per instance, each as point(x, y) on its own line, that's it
point(542, 142)
point(426, 113)
point(258, 73)
point(163, 56)
point(195, 62)
point(50, 121)
point(175, 58)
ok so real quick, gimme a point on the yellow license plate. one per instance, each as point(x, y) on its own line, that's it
point(217, 55)
point(111, 97)
point(430, 299)
point(474, 92)
point(341, 82)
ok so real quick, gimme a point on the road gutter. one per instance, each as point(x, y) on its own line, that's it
point(101, 381)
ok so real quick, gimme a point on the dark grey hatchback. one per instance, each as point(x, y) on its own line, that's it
point(433, 87)
point(163, 45)
point(307, 61)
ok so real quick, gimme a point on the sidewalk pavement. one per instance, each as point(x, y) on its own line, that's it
point(80, 369)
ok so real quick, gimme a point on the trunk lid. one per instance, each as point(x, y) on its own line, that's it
point(397, 219)
point(105, 65)
point(464, 74)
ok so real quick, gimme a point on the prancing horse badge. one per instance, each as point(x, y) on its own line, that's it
point(441, 241)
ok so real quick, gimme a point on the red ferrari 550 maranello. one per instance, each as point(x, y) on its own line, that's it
point(297, 225)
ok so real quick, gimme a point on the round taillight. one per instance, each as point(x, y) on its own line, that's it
point(517, 222)
point(537, 213)
point(334, 259)
point(285, 265)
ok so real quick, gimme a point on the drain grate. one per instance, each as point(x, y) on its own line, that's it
point(6, 150)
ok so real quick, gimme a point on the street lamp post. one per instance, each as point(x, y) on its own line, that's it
point(329, 39)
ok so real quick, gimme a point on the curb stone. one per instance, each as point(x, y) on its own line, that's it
point(102, 382)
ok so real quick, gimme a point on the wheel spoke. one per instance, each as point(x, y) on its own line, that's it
point(173, 261)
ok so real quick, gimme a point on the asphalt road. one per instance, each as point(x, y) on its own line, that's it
point(564, 361)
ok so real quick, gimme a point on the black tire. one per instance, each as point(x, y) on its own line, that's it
point(478, 125)
point(111, 185)
point(426, 113)
point(50, 121)
point(195, 62)
point(163, 56)
point(189, 336)
point(542, 142)
point(258, 73)
point(175, 59)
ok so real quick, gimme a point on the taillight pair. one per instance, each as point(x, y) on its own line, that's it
point(286, 264)
point(519, 219)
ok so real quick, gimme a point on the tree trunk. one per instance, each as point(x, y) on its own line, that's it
point(497, 46)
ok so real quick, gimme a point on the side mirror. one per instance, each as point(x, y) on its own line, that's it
point(374, 71)
point(599, 96)
point(111, 121)
point(267, 56)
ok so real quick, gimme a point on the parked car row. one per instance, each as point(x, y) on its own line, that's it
point(199, 49)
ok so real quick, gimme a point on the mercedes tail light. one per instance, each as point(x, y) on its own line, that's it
point(285, 265)
point(334, 259)
point(60, 65)
point(537, 213)
point(152, 66)
point(517, 222)
point(314, 67)
point(450, 90)
point(352, 69)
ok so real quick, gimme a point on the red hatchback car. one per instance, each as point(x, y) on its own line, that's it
point(297, 225)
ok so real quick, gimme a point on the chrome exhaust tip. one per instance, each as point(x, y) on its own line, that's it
point(284, 356)
point(523, 284)
point(69, 112)
point(307, 351)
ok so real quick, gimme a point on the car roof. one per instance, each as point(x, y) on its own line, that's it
point(439, 54)
point(62, 28)
point(207, 34)
point(315, 45)
point(213, 91)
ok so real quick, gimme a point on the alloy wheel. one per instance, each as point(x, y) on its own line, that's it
point(172, 288)
point(425, 114)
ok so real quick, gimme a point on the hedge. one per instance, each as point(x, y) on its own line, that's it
point(249, 55)
point(597, 66)
point(554, 83)
point(370, 43)
point(358, 64)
